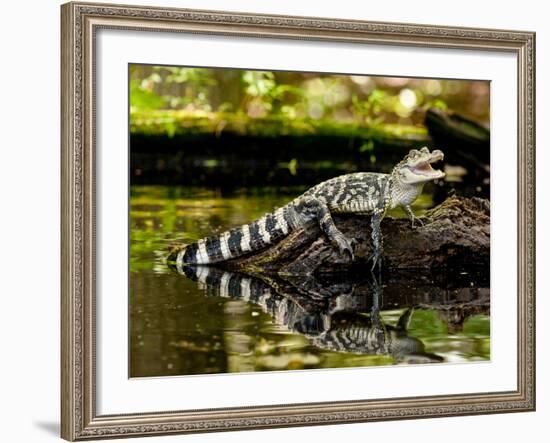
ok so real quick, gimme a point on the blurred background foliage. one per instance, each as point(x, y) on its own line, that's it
point(157, 91)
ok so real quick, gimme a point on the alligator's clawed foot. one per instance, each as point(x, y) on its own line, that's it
point(346, 247)
point(414, 220)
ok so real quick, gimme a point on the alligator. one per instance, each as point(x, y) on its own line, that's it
point(336, 323)
point(365, 193)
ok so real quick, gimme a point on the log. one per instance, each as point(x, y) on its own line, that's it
point(455, 235)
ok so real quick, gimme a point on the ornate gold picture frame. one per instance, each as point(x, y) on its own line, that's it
point(80, 22)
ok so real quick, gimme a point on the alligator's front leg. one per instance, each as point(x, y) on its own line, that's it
point(315, 209)
point(412, 217)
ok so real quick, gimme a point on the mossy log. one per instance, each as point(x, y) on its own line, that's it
point(455, 235)
point(170, 123)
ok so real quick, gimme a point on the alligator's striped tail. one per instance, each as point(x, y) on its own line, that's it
point(236, 242)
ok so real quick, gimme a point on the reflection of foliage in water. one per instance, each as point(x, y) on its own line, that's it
point(176, 330)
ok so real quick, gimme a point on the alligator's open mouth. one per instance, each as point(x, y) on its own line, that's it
point(425, 168)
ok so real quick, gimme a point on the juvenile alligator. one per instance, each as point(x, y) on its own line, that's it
point(359, 193)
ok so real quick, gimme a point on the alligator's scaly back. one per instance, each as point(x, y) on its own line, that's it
point(237, 242)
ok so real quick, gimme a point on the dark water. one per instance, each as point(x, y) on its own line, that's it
point(209, 321)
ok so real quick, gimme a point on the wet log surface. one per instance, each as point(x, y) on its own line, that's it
point(455, 235)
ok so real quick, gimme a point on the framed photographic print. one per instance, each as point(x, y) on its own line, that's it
point(282, 221)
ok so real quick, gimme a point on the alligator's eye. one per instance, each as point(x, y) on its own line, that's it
point(413, 153)
point(425, 150)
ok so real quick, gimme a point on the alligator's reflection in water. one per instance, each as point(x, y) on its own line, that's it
point(343, 314)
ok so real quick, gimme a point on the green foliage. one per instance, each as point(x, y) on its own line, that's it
point(436, 103)
point(367, 146)
point(264, 92)
point(200, 77)
point(293, 166)
point(162, 87)
point(371, 108)
point(143, 98)
point(290, 96)
point(259, 84)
